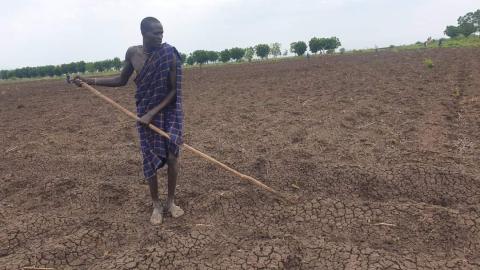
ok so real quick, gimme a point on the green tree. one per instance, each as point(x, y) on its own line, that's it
point(116, 63)
point(332, 44)
point(298, 47)
point(467, 29)
point(200, 56)
point(11, 74)
point(89, 67)
point(50, 70)
point(81, 66)
point(237, 53)
point(452, 31)
point(471, 18)
point(19, 73)
point(63, 69)
point(467, 25)
point(98, 66)
point(225, 55)
point(109, 64)
point(41, 71)
point(3, 74)
point(71, 68)
point(190, 60)
point(262, 50)
point(183, 57)
point(249, 52)
point(57, 71)
point(275, 49)
point(212, 56)
point(315, 45)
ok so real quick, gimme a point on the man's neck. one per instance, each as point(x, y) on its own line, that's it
point(149, 49)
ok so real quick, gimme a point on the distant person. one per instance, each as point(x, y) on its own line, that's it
point(428, 41)
point(440, 42)
point(159, 101)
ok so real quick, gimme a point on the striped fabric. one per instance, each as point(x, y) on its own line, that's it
point(152, 88)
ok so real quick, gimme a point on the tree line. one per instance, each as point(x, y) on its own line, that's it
point(59, 70)
point(262, 51)
point(467, 25)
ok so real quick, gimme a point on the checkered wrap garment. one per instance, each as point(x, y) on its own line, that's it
point(152, 87)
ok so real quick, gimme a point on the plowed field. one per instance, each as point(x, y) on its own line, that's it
point(382, 152)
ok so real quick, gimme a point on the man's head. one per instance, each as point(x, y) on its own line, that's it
point(152, 32)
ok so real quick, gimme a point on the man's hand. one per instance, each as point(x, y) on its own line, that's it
point(77, 80)
point(146, 119)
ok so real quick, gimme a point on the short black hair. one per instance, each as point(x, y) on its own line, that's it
point(146, 22)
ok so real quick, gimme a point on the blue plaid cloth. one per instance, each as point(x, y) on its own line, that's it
point(152, 87)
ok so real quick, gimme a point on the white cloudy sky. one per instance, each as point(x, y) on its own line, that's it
point(41, 32)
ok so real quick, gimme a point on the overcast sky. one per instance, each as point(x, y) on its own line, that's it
point(41, 32)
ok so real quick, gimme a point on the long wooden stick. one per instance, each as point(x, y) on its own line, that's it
point(186, 146)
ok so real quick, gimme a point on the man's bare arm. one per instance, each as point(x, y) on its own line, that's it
point(115, 81)
point(172, 85)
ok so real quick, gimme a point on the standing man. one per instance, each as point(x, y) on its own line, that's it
point(159, 101)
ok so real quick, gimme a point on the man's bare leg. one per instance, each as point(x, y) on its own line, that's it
point(172, 174)
point(157, 215)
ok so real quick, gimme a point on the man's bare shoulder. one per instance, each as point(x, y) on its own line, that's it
point(134, 50)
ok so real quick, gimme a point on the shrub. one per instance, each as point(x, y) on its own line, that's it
point(428, 63)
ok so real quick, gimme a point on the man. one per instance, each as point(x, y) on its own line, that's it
point(158, 101)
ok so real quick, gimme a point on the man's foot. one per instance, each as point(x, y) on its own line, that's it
point(175, 211)
point(157, 216)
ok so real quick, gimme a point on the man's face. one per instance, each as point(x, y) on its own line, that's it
point(153, 37)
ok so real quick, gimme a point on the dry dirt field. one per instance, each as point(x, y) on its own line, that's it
point(382, 152)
